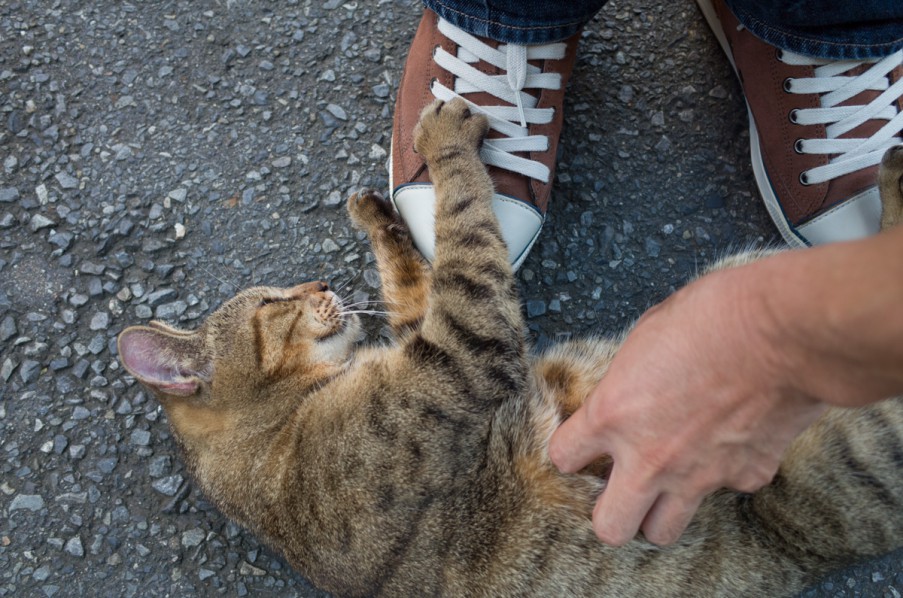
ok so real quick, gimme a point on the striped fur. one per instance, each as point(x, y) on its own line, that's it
point(421, 468)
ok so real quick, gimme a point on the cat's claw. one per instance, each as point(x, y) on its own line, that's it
point(368, 209)
point(448, 126)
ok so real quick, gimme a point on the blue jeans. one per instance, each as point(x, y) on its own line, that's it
point(833, 29)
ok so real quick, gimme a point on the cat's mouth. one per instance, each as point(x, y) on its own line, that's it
point(341, 318)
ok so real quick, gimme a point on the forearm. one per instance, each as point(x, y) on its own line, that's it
point(833, 318)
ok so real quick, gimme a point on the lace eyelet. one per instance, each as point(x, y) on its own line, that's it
point(788, 83)
point(792, 116)
point(804, 180)
point(779, 54)
point(436, 49)
point(798, 146)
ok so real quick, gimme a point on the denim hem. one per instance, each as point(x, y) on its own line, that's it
point(875, 40)
point(508, 27)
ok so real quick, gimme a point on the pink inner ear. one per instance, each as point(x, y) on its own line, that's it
point(155, 360)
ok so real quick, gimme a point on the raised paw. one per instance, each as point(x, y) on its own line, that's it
point(371, 212)
point(368, 208)
point(448, 128)
point(890, 183)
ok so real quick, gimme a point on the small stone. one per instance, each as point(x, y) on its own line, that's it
point(178, 195)
point(625, 94)
point(282, 162)
point(169, 485)
point(140, 437)
point(382, 90)
point(29, 502)
point(377, 152)
point(107, 464)
point(29, 371)
point(66, 180)
point(42, 193)
point(333, 199)
point(170, 311)
point(8, 329)
point(158, 466)
point(7, 369)
point(248, 569)
point(329, 246)
point(193, 537)
point(100, 321)
point(39, 221)
point(337, 111)
point(9, 194)
point(653, 247)
point(74, 547)
point(242, 50)
point(663, 146)
point(97, 345)
point(160, 296)
point(180, 230)
point(535, 308)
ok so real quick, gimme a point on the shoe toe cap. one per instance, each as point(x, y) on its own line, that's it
point(520, 222)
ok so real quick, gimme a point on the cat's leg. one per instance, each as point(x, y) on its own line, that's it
point(405, 274)
point(890, 183)
point(473, 319)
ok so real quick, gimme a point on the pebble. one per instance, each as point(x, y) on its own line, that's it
point(29, 371)
point(100, 321)
point(337, 111)
point(140, 437)
point(535, 308)
point(39, 221)
point(159, 296)
point(178, 195)
point(8, 329)
point(193, 537)
point(170, 311)
point(66, 180)
point(9, 194)
point(29, 502)
point(169, 485)
point(74, 547)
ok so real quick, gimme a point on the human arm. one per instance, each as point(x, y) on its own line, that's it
point(712, 385)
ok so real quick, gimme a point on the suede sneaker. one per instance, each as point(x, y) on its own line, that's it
point(818, 129)
point(520, 89)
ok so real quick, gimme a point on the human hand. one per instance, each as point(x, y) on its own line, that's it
point(699, 397)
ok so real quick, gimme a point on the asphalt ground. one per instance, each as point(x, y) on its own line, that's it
point(158, 156)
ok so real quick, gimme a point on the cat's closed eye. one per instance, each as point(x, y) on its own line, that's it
point(268, 300)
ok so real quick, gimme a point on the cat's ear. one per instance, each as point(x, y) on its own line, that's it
point(171, 361)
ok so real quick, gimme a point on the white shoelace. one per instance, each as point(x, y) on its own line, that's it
point(510, 121)
point(834, 88)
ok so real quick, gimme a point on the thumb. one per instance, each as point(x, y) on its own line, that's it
point(577, 442)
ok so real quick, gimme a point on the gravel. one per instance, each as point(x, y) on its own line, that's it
point(157, 158)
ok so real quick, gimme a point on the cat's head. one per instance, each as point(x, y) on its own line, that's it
point(263, 337)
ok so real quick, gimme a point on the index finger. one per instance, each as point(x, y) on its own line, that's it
point(576, 443)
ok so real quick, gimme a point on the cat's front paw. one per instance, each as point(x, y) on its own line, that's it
point(370, 210)
point(448, 128)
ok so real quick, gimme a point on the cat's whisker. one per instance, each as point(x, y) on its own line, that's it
point(231, 284)
point(352, 278)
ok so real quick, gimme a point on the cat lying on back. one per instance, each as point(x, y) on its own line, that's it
point(421, 468)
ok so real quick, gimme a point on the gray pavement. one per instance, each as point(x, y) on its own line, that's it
point(157, 156)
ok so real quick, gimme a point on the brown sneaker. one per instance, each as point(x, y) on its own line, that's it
point(521, 91)
point(818, 129)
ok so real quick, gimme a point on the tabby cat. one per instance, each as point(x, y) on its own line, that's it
point(421, 468)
